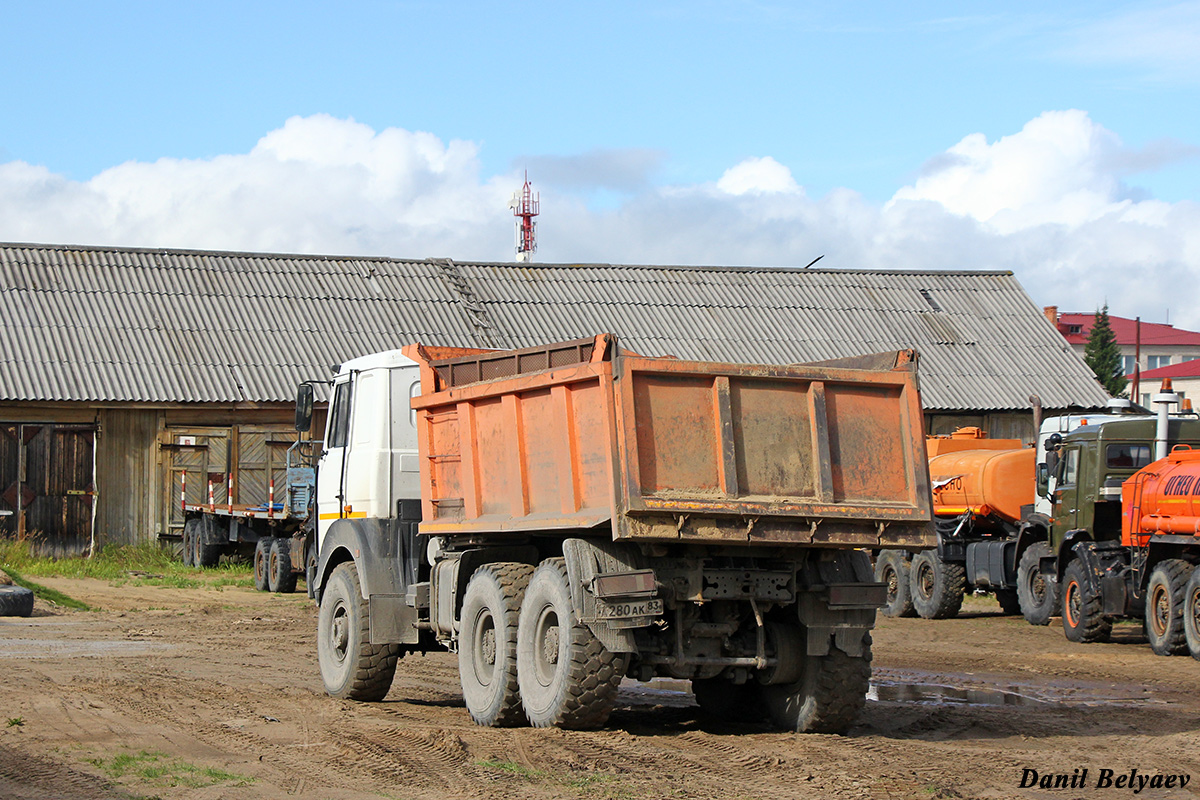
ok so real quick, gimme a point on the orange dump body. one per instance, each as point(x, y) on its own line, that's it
point(580, 436)
point(1163, 497)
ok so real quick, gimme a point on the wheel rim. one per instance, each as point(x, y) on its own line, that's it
point(1193, 611)
point(483, 648)
point(1160, 603)
point(893, 584)
point(925, 580)
point(260, 567)
point(1071, 607)
point(546, 644)
point(274, 563)
point(1037, 587)
point(339, 632)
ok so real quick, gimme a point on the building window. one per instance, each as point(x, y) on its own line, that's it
point(1145, 400)
point(1154, 362)
point(1128, 363)
point(1074, 329)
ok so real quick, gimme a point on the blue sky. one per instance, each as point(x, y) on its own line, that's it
point(1060, 141)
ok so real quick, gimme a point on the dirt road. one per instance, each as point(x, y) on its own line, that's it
point(215, 694)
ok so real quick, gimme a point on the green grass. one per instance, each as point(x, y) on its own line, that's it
point(44, 592)
point(158, 769)
point(139, 565)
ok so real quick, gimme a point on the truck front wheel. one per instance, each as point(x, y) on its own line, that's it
point(487, 645)
point(567, 678)
point(351, 667)
point(1038, 593)
point(892, 570)
point(1191, 614)
point(828, 697)
point(937, 586)
point(1082, 607)
point(1165, 599)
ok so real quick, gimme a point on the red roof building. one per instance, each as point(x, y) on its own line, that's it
point(1161, 345)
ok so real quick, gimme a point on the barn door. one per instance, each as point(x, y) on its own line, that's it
point(203, 454)
point(47, 484)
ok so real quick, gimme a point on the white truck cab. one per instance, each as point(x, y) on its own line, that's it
point(370, 459)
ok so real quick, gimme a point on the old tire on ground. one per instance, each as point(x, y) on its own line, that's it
point(892, 570)
point(1191, 614)
point(487, 644)
point(1008, 600)
point(191, 529)
point(280, 577)
point(351, 667)
point(1038, 593)
point(567, 678)
point(937, 586)
point(262, 552)
point(15, 601)
point(1082, 607)
point(726, 701)
point(829, 696)
point(1165, 599)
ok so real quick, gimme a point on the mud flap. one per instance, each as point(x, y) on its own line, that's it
point(587, 561)
point(840, 608)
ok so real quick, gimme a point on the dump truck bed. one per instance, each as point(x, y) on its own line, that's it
point(583, 436)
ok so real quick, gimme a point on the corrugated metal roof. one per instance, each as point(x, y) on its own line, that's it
point(136, 325)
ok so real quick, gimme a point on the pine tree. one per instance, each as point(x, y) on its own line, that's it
point(1103, 355)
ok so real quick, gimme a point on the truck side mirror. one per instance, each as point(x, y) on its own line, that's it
point(304, 407)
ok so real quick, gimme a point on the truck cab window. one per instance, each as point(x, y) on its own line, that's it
point(1127, 456)
point(1068, 467)
point(339, 416)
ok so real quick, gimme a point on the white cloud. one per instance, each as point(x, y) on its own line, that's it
point(758, 176)
point(1046, 202)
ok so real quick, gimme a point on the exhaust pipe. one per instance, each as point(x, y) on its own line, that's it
point(1164, 399)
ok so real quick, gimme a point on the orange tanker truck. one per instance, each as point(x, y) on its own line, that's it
point(982, 488)
point(1160, 548)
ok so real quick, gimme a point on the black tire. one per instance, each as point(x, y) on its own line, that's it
point(191, 529)
point(1038, 593)
point(937, 586)
point(280, 577)
point(567, 678)
point(1191, 614)
point(207, 551)
point(1165, 599)
point(262, 551)
point(15, 601)
point(1082, 607)
point(351, 667)
point(892, 570)
point(487, 644)
point(1008, 600)
point(828, 698)
point(726, 701)
point(310, 570)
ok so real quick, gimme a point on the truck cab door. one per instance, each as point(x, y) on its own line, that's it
point(1065, 492)
point(331, 472)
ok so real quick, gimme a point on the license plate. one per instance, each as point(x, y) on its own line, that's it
point(607, 609)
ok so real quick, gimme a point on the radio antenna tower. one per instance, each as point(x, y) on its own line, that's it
point(525, 205)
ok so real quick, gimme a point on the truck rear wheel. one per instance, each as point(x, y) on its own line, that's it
point(351, 667)
point(828, 698)
point(1008, 600)
point(207, 551)
point(487, 644)
point(191, 529)
point(892, 570)
point(280, 577)
point(1082, 606)
point(1191, 614)
point(937, 586)
point(1165, 599)
point(1037, 592)
point(262, 552)
point(567, 678)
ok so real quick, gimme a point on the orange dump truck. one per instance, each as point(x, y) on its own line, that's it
point(588, 514)
point(982, 488)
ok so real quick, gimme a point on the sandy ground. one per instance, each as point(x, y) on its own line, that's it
point(215, 694)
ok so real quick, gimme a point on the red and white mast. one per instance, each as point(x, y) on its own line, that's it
point(525, 205)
